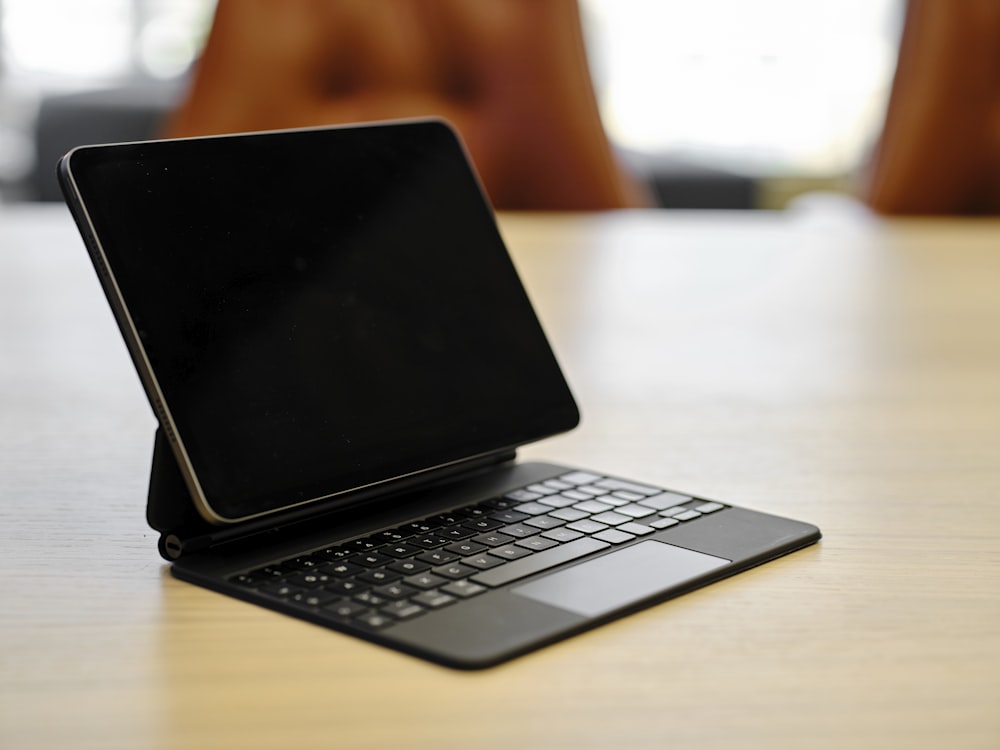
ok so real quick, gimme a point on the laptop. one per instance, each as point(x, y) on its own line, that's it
point(343, 364)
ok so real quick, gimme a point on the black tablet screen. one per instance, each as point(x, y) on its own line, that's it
point(322, 309)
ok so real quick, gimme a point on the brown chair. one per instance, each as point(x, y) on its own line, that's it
point(511, 75)
point(940, 148)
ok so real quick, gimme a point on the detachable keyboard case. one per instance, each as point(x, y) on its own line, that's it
point(513, 617)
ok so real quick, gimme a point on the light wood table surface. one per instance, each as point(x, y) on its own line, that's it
point(820, 363)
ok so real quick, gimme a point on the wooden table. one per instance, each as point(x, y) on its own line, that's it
point(820, 363)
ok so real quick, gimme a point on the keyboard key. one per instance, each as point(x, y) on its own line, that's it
point(634, 510)
point(502, 503)
point(522, 496)
point(371, 599)
point(511, 551)
point(468, 547)
point(569, 514)
point(454, 571)
point(437, 557)
point(463, 589)
point(482, 562)
point(333, 553)
point(399, 550)
point(536, 543)
point(630, 497)
point(391, 535)
point(494, 539)
point(592, 506)
point(664, 523)
point(562, 535)
point(371, 560)
point(688, 515)
point(664, 500)
point(580, 477)
point(613, 501)
point(618, 484)
point(611, 518)
point(614, 536)
point(519, 530)
point(348, 586)
point(315, 598)
point(382, 575)
point(541, 489)
point(418, 527)
point(709, 507)
point(587, 526)
point(673, 511)
point(549, 558)
point(448, 519)
point(480, 525)
point(508, 516)
point(433, 599)
point(425, 581)
point(308, 579)
point(576, 495)
point(364, 545)
point(639, 529)
point(408, 567)
point(454, 533)
point(340, 569)
point(544, 522)
point(532, 509)
point(557, 501)
point(557, 484)
point(429, 541)
point(394, 591)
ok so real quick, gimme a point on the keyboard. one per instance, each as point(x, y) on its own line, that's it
point(400, 573)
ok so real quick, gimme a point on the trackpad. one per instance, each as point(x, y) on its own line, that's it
point(620, 578)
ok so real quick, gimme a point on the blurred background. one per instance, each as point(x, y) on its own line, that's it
point(718, 103)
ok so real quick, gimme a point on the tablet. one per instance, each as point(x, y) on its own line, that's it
point(316, 311)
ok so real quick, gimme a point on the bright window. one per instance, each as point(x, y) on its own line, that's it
point(770, 86)
point(68, 43)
